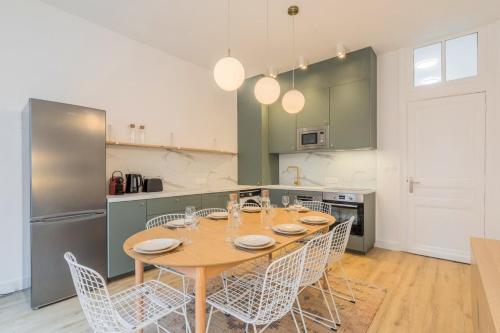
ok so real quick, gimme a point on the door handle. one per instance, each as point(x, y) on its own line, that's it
point(411, 184)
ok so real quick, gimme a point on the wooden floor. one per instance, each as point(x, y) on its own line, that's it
point(424, 295)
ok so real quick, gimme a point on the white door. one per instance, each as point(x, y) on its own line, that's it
point(446, 159)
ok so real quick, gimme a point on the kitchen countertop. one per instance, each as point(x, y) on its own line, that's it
point(175, 193)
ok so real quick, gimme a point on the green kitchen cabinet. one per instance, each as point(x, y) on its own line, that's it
point(171, 205)
point(256, 166)
point(282, 130)
point(316, 111)
point(124, 220)
point(352, 125)
point(215, 200)
point(276, 195)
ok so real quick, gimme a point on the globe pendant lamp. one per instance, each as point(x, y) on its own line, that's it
point(293, 101)
point(229, 73)
point(267, 90)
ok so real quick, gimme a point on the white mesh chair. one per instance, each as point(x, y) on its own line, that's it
point(207, 211)
point(129, 310)
point(318, 206)
point(317, 254)
point(341, 234)
point(262, 300)
point(162, 220)
point(251, 204)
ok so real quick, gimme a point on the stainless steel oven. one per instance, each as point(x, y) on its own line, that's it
point(345, 205)
point(313, 138)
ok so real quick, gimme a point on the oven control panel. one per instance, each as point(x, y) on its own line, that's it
point(343, 196)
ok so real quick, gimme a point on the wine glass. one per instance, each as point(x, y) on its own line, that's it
point(285, 200)
point(189, 221)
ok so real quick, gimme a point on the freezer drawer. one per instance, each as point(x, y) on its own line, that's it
point(84, 236)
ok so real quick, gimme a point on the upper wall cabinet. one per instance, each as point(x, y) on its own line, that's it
point(316, 111)
point(341, 93)
point(351, 123)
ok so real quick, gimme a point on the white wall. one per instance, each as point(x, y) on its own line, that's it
point(394, 92)
point(49, 54)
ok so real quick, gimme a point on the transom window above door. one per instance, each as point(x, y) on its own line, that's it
point(451, 59)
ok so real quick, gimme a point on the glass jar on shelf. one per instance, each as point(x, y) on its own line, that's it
point(142, 134)
point(131, 133)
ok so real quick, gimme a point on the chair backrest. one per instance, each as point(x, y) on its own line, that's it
point(250, 204)
point(162, 220)
point(207, 211)
point(317, 206)
point(280, 287)
point(317, 254)
point(93, 296)
point(341, 234)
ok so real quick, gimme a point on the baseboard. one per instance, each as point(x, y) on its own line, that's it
point(389, 245)
point(10, 286)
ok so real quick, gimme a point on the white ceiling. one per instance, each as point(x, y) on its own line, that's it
point(195, 30)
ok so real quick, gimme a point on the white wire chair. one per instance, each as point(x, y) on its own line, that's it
point(262, 300)
point(318, 206)
point(207, 211)
point(317, 254)
point(339, 244)
point(251, 204)
point(162, 221)
point(129, 310)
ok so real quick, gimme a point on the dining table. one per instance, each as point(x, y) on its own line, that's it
point(210, 250)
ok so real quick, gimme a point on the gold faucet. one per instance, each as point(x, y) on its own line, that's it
point(297, 176)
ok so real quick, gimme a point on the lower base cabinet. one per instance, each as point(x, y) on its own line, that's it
point(215, 200)
point(124, 220)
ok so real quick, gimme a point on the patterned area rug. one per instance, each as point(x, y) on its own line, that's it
point(356, 318)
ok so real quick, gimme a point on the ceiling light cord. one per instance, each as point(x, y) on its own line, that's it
point(228, 28)
point(267, 33)
point(293, 52)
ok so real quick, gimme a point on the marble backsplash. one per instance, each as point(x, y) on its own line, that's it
point(178, 170)
point(349, 169)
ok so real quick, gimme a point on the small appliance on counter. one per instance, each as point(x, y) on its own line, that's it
point(134, 183)
point(116, 183)
point(153, 185)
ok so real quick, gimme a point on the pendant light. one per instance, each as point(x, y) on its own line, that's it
point(293, 101)
point(229, 73)
point(267, 89)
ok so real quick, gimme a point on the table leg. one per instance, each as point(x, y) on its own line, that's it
point(200, 302)
point(139, 277)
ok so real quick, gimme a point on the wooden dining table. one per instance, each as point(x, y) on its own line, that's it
point(210, 254)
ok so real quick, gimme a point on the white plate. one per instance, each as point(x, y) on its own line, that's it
point(176, 223)
point(300, 209)
point(158, 245)
point(218, 215)
point(314, 219)
point(251, 209)
point(254, 240)
point(239, 244)
point(289, 228)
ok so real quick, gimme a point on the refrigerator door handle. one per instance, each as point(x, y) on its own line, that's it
point(78, 216)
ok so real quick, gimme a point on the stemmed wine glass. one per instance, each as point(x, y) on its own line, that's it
point(189, 221)
point(285, 200)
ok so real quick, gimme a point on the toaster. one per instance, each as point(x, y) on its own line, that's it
point(153, 185)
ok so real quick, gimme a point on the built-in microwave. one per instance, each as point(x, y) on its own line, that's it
point(313, 138)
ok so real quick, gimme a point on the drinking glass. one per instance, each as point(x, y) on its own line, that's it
point(189, 222)
point(285, 200)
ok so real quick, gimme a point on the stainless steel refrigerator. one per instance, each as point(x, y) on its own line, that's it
point(65, 194)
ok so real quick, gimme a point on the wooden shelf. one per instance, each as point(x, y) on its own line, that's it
point(172, 148)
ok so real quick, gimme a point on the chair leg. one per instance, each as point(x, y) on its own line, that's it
point(209, 318)
point(346, 279)
point(254, 328)
point(246, 327)
point(301, 314)
point(328, 305)
point(186, 320)
point(331, 298)
point(295, 321)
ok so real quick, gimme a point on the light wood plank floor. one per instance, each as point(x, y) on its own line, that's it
point(424, 295)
